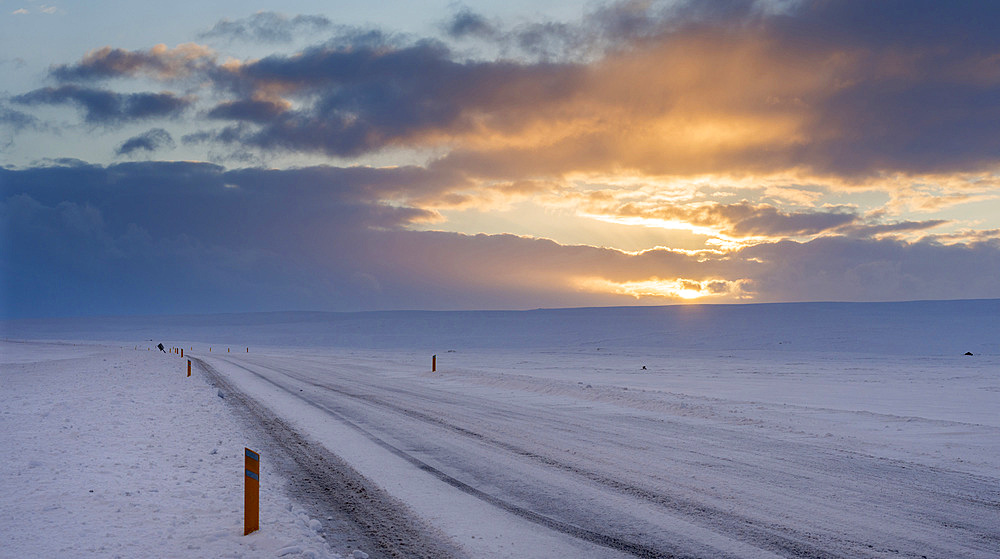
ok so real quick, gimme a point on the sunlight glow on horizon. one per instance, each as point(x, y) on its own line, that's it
point(680, 288)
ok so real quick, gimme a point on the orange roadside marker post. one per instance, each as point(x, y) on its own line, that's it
point(251, 495)
point(434, 363)
point(189, 367)
point(182, 352)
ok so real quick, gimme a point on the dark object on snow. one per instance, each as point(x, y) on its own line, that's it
point(968, 353)
point(643, 367)
point(160, 346)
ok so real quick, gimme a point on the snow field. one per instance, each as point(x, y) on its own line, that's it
point(716, 455)
point(116, 453)
point(813, 430)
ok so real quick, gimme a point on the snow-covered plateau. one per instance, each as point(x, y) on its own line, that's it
point(835, 430)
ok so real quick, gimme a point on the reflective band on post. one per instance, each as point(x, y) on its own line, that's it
point(252, 454)
point(252, 475)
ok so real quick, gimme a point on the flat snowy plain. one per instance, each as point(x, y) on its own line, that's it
point(795, 430)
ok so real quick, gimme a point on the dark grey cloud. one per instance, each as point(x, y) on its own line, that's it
point(268, 27)
point(17, 120)
point(150, 141)
point(368, 98)
point(103, 106)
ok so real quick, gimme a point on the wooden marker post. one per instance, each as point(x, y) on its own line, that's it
point(182, 352)
point(434, 363)
point(189, 367)
point(251, 496)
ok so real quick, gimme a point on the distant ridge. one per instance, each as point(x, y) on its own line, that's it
point(912, 327)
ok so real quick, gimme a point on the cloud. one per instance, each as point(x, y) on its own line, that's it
point(106, 107)
point(148, 236)
point(683, 90)
point(807, 133)
point(742, 219)
point(202, 193)
point(365, 99)
point(249, 110)
point(195, 237)
point(667, 88)
point(268, 27)
point(466, 23)
point(839, 268)
point(159, 62)
point(17, 120)
point(874, 230)
point(150, 140)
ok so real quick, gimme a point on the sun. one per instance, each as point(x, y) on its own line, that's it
point(658, 288)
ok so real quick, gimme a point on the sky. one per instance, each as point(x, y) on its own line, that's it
point(228, 156)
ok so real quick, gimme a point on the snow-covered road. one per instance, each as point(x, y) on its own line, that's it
point(550, 455)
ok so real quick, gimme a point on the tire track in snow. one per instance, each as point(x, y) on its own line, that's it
point(366, 516)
